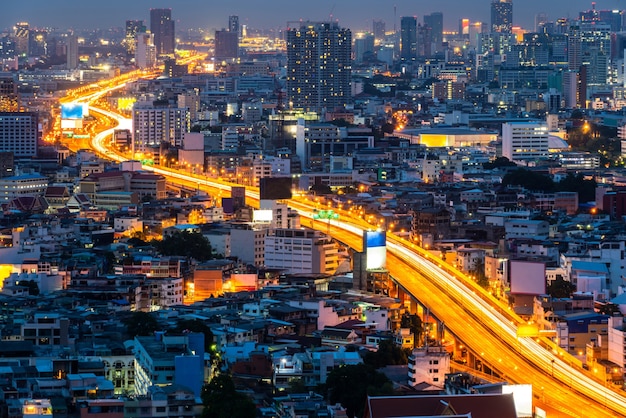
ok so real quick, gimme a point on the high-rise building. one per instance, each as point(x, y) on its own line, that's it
point(363, 46)
point(435, 22)
point(71, 52)
point(21, 33)
point(233, 24)
point(133, 27)
point(408, 38)
point(378, 29)
point(19, 133)
point(145, 51)
point(501, 16)
point(319, 65)
point(226, 44)
point(38, 43)
point(155, 125)
point(162, 27)
point(525, 142)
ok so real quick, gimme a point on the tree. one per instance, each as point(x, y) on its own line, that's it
point(140, 324)
point(221, 400)
point(186, 244)
point(529, 180)
point(560, 288)
point(414, 323)
point(479, 274)
point(498, 163)
point(586, 189)
point(609, 309)
point(350, 385)
point(388, 354)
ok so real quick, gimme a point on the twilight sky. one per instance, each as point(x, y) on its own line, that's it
point(356, 14)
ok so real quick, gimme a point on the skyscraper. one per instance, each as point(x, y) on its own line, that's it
point(408, 38)
point(435, 22)
point(21, 34)
point(226, 44)
point(133, 27)
point(233, 24)
point(501, 16)
point(162, 26)
point(318, 65)
point(71, 51)
point(378, 29)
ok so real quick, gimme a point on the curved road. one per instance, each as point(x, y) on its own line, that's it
point(479, 321)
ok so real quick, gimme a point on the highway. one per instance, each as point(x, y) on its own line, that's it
point(470, 313)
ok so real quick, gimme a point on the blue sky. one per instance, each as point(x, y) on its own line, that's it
point(356, 14)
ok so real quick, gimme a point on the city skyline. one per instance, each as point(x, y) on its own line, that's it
point(355, 15)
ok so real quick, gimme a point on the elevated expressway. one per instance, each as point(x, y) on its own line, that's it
point(468, 311)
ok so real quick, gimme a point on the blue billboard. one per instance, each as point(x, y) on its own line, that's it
point(375, 247)
point(72, 111)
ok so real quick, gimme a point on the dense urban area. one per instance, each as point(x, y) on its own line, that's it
point(314, 221)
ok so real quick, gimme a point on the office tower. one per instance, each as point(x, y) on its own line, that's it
point(38, 43)
point(363, 47)
point(540, 21)
point(319, 65)
point(464, 27)
point(21, 34)
point(525, 141)
point(155, 125)
point(501, 16)
point(71, 52)
point(133, 27)
point(435, 22)
point(408, 38)
point(145, 51)
point(226, 44)
point(233, 24)
point(378, 29)
point(424, 41)
point(19, 133)
point(162, 27)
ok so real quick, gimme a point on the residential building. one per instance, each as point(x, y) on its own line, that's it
point(501, 16)
point(525, 142)
point(318, 66)
point(300, 251)
point(21, 186)
point(157, 125)
point(429, 365)
point(19, 133)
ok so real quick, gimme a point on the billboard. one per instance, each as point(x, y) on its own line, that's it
point(275, 188)
point(71, 124)
point(375, 248)
point(527, 277)
point(72, 111)
point(262, 215)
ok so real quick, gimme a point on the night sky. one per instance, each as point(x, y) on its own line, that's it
point(211, 14)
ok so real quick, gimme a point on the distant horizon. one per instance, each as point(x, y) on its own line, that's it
point(354, 14)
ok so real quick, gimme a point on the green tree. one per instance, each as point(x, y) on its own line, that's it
point(140, 324)
point(414, 323)
point(529, 180)
point(576, 183)
point(560, 288)
point(479, 274)
point(388, 354)
point(187, 244)
point(221, 400)
point(609, 309)
point(350, 385)
point(498, 163)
